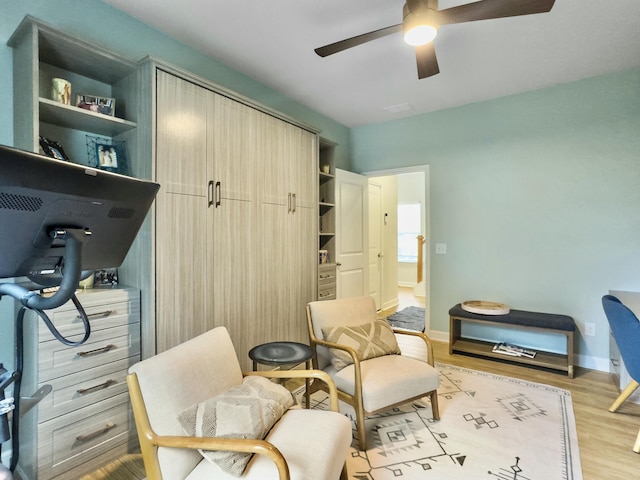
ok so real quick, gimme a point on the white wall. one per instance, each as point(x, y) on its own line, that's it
point(389, 273)
point(411, 189)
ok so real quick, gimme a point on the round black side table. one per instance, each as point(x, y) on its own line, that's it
point(283, 353)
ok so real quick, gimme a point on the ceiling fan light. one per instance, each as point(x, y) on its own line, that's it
point(420, 35)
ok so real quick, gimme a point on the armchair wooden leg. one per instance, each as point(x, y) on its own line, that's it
point(343, 474)
point(360, 427)
point(636, 446)
point(626, 393)
point(435, 409)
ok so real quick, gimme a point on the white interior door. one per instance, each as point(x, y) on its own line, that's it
point(375, 241)
point(351, 235)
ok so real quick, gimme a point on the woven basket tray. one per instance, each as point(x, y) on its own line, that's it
point(485, 308)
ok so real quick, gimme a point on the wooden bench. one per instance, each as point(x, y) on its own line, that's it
point(517, 319)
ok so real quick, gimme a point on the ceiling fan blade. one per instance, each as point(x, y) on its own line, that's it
point(487, 9)
point(427, 61)
point(358, 40)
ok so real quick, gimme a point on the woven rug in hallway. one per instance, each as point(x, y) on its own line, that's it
point(491, 428)
point(411, 318)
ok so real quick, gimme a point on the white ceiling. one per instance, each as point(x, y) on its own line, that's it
point(272, 41)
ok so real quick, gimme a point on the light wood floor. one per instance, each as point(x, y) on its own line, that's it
point(605, 439)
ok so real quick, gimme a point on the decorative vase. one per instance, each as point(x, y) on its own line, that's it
point(61, 91)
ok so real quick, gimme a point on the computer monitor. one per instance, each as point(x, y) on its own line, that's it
point(41, 195)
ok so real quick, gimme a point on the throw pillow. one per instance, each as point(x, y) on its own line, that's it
point(370, 340)
point(248, 410)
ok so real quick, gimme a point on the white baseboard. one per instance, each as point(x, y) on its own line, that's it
point(584, 361)
point(394, 302)
point(439, 336)
point(593, 363)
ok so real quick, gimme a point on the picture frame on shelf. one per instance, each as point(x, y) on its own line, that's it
point(52, 149)
point(107, 277)
point(107, 154)
point(93, 103)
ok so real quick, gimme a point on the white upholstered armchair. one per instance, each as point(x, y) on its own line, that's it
point(199, 385)
point(373, 366)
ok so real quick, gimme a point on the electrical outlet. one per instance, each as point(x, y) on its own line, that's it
point(590, 329)
point(441, 248)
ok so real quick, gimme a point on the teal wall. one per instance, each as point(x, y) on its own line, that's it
point(99, 23)
point(537, 196)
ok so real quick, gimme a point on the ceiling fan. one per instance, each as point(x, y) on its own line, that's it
point(421, 20)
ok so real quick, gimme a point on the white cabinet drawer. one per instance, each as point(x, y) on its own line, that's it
point(103, 346)
point(85, 388)
point(326, 274)
point(71, 440)
point(104, 309)
point(327, 291)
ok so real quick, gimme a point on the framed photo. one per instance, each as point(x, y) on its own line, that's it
point(52, 149)
point(106, 278)
point(107, 154)
point(104, 105)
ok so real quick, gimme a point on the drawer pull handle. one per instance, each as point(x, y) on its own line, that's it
point(96, 351)
point(326, 276)
point(102, 386)
point(97, 433)
point(104, 314)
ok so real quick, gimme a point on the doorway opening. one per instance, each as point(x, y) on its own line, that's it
point(395, 279)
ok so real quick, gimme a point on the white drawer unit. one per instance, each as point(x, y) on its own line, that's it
point(327, 281)
point(85, 421)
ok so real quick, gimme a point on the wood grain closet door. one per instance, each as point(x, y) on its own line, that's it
point(233, 232)
point(288, 229)
point(182, 282)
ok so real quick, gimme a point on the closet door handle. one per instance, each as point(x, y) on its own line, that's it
point(289, 202)
point(210, 194)
point(295, 202)
point(218, 194)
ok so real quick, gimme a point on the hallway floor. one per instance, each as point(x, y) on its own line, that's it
point(406, 298)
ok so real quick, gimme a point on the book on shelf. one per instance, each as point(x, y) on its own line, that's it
point(513, 350)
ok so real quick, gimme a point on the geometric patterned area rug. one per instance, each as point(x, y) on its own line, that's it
point(491, 428)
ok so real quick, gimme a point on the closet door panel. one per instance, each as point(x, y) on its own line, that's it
point(182, 286)
point(303, 253)
point(272, 160)
point(233, 275)
point(181, 270)
point(233, 147)
point(302, 148)
point(181, 147)
point(273, 289)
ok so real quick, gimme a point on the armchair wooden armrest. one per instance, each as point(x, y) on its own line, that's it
point(319, 374)
point(152, 441)
point(424, 337)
